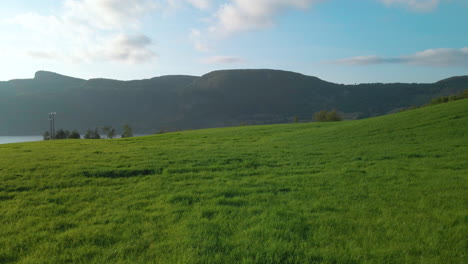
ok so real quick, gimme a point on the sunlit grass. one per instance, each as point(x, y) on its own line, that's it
point(385, 190)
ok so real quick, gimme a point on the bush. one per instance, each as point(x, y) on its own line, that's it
point(325, 116)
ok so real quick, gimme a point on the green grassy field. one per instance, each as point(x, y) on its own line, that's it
point(391, 189)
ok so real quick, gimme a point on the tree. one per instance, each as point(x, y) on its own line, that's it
point(296, 119)
point(92, 134)
point(96, 134)
point(62, 134)
point(88, 134)
point(162, 131)
point(325, 116)
point(321, 116)
point(334, 116)
point(127, 131)
point(46, 135)
point(75, 135)
point(464, 94)
point(109, 131)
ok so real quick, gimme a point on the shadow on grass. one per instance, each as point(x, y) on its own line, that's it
point(121, 173)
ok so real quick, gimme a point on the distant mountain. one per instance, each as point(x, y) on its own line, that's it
point(220, 98)
point(457, 80)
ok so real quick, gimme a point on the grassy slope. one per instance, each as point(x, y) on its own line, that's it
point(384, 190)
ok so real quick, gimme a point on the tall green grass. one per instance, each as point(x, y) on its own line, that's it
point(384, 190)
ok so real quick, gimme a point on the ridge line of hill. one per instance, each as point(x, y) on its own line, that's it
point(216, 99)
point(41, 73)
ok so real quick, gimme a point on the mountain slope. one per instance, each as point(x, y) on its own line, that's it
point(221, 98)
point(390, 189)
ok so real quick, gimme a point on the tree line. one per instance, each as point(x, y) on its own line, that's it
point(446, 99)
point(442, 100)
point(108, 131)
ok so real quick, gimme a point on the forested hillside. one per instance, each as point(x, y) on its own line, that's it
point(221, 98)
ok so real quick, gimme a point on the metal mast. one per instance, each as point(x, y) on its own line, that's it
point(52, 124)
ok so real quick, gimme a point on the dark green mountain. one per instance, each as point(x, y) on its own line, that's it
point(221, 98)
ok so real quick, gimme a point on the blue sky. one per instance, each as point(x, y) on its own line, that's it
point(343, 41)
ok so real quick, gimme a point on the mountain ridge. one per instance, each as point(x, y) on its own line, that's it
point(41, 73)
point(216, 99)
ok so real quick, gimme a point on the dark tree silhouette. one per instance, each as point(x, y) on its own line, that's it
point(109, 131)
point(127, 131)
point(46, 135)
point(75, 135)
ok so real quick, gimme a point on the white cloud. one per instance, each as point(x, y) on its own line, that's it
point(368, 60)
point(127, 48)
point(222, 60)
point(200, 4)
point(198, 41)
point(417, 5)
point(246, 15)
point(42, 55)
point(90, 30)
point(440, 57)
point(430, 57)
point(235, 16)
point(107, 14)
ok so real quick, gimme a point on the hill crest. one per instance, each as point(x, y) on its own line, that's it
point(217, 99)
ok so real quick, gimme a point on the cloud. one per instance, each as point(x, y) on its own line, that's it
point(222, 60)
point(367, 60)
point(42, 55)
point(198, 41)
point(247, 15)
point(417, 5)
point(133, 49)
point(200, 4)
point(430, 57)
point(90, 30)
point(107, 14)
point(236, 16)
point(441, 57)
point(176, 4)
point(251, 15)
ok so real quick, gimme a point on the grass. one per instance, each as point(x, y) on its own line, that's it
point(384, 190)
